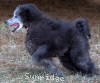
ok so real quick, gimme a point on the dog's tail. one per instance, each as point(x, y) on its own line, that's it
point(82, 25)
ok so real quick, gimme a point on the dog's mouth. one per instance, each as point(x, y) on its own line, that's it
point(16, 27)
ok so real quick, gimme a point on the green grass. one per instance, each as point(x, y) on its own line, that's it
point(15, 62)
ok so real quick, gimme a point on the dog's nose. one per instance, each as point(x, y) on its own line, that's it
point(6, 22)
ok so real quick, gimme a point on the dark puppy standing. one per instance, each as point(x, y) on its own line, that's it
point(47, 38)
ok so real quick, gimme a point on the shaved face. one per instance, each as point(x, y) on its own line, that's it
point(15, 21)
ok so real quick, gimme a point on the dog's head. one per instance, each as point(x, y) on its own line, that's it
point(23, 16)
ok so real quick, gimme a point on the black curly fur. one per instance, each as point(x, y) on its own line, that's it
point(47, 38)
point(83, 27)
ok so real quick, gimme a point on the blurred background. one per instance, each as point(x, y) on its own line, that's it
point(15, 62)
point(64, 9)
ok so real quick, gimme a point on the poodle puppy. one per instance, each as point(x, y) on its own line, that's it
point(47, 38)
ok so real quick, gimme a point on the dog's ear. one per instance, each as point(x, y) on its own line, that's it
point(25, 14)
point(30, 13)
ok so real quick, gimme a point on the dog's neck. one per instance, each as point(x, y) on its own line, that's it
point(27, 26)
point(30, 25)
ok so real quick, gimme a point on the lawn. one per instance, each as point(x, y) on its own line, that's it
point(15, 62)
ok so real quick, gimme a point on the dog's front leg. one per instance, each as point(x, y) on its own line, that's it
point(40, 58)
point(39, 54)
point(51, 67)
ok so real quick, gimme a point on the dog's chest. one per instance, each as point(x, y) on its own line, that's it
point(36, 36)
point(30, 45)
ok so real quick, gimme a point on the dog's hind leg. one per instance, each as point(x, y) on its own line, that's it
point(67, 62)
point(82, 62)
